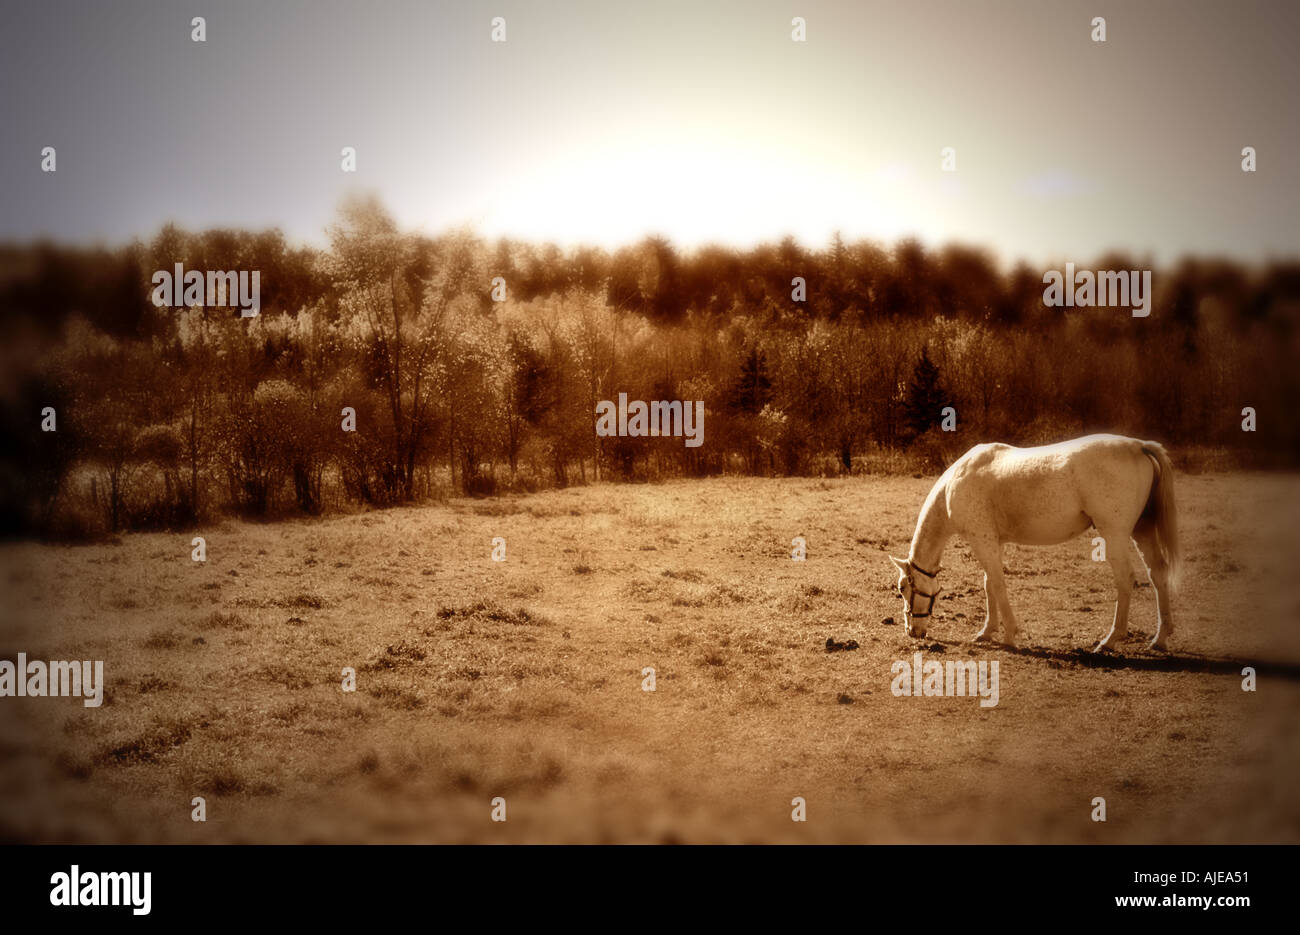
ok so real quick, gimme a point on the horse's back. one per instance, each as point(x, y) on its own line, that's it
point(1091, 452)
point(1052, 492)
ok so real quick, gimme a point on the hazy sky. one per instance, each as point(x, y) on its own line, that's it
point(602, 121)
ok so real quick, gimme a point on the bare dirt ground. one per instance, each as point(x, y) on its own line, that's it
point(523, 679)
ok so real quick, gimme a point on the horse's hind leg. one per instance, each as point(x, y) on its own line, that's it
point(1118, 556)
point(1145, 537)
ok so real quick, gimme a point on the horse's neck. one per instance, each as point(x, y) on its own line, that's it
point(932, 529)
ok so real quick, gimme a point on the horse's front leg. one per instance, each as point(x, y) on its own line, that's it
point(997, 606)
point(1122, 568)
point(990, 614)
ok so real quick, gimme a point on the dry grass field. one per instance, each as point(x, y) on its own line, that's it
point(522, 679)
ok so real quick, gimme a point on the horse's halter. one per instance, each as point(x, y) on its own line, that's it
point(916, 592)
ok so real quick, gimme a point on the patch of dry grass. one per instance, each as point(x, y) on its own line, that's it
point(524, 678)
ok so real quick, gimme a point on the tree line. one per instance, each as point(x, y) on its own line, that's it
point(165, 417)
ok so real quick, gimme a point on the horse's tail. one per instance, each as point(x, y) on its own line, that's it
point(1166, 514)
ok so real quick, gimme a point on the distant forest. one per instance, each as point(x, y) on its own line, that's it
point(166, 417)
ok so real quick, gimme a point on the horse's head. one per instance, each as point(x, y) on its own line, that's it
point(918, 589)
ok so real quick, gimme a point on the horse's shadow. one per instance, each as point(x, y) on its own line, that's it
point(1149, 661)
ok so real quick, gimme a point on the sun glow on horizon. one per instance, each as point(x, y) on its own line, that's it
point(614, 195)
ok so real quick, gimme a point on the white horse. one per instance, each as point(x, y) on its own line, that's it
point(1043, 496)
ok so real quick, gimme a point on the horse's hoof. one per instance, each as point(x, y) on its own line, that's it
point(980, 638)
point(1102, 647)
point(1158, 646)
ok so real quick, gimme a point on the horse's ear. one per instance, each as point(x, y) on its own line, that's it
point(900, 562)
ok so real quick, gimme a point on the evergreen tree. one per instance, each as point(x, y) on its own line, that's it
point(924, 398)
point(753, 388)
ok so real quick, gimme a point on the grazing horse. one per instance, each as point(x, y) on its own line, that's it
point(1043, 496)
